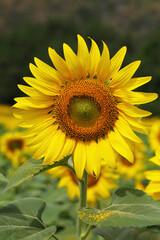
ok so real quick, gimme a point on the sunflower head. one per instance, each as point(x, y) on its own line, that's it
point(136, 169)
point(84, 105)
point(13, 145)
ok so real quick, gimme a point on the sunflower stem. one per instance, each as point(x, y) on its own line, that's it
point(85, 234)
point(81, 226)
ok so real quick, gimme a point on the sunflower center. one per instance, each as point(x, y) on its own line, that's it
point(86, 109)
point(92, 181)
point(15, 144)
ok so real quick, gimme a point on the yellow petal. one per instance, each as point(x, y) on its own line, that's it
point(73, 62)
point(153, 187)
point(124, 128)
point(93, 163)
point(134, 83)
point(50, 71)
point(107, 152)
point(63, 181)
point(153, 175)
point(135, 97)
point(116, 62)
point(132, 111)
point(17, 113)
point(39, 150)
point(47, 121)
point(83, 55)
point(47, 80)
point(32, 92)
point(60, 65)
point(29, 113)
point(158, 154)
point(124, 74)
point(67, 149)
point(104, 64)
point(156, 159)
point(42, 87)
point(137, 124)
point(55, 147)
point(79, 159)
point(33, 120)
point(30, 102)
point(44, 79)
point(95, 58)
point(119, 144)
point(41, 136)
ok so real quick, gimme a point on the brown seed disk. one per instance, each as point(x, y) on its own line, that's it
point(15, 144)
point(102, 101)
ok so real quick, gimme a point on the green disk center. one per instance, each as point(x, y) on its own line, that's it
point(84, 111)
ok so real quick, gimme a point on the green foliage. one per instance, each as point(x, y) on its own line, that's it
point(59, 211)
point(128, 207)
point(21, 219)
point(3, 178)
point(110, 233)
point(30, 169)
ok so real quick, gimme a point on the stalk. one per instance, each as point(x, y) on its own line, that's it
point(81, 226)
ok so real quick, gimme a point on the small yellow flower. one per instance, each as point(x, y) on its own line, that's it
point(136, 169)
point(85, 107)
point(153, 188)
point(97, 188)
point(13, 145)
point(6, 117)
point(154, 135)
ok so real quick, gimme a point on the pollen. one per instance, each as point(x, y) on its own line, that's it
point(86, 109)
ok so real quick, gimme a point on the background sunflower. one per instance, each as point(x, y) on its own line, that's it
point(13, 146)
point(97, 188)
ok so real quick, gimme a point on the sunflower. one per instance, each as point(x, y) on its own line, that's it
point(97, 187)
point(154, 135)
point(6, 117)
point(153, 187)
point(136, 169)
point(13, 146)
point(83, 107)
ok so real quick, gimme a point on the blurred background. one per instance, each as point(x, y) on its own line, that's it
point(28, 28)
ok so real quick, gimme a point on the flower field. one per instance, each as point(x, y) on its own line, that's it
point(78, 157)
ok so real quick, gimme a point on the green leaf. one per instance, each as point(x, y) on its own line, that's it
point(68, 233)
point(128, 207)
point(111, 233)
point(3, 178)
point(108, 233)
point(44, 234)
point(30, 169)
point(21, 219)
